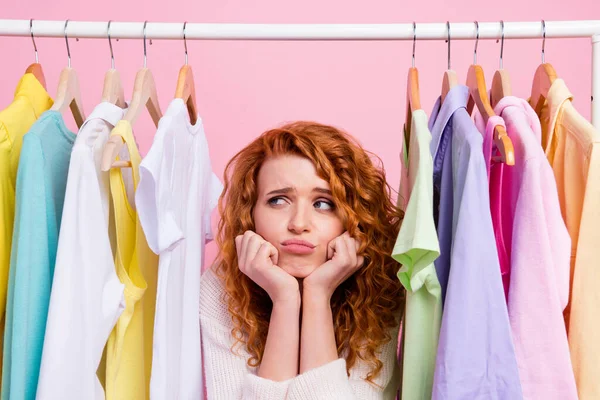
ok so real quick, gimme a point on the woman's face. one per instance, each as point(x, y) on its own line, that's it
point(294, 205)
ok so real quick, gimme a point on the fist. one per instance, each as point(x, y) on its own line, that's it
point(257, 259)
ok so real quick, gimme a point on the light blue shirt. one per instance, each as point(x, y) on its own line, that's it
point(476, 357)
point(40, 193)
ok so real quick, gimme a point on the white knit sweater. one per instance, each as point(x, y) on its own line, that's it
point(228, 376)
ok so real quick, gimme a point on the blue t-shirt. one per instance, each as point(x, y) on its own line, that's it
point(40, 193)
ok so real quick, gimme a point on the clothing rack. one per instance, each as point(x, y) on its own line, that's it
point(405, 31)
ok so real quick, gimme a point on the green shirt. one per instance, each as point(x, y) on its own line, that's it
point(416, 248)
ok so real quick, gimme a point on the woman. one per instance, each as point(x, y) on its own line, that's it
point(303, 301)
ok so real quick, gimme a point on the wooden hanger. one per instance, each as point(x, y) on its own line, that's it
point(501, 81)
point(186, 88)
point(500, 87)
point(36, 68)
point(544, 77)
point(478, 95)
point(37, 71)
point(413, 97)
point(144, 97)
point(112, 90)
point(68, 93)
point(450, 79)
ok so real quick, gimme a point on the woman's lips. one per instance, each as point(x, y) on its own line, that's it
point(298, 249)
point(296, 246)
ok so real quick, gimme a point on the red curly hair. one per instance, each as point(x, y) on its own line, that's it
point(368, 303)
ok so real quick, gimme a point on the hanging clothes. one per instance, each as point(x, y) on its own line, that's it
point(475, 357)
point(30, 101)
point(572, 147)
point(416, 248)
point(533, 239)
point(129, 347)
point(41, 184)
point(176, 194)
point(87, 296)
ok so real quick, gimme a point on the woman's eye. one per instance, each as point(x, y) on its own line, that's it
point(324, 205)
point(276, 201)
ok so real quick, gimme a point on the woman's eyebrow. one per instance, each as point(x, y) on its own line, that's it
point(286, 190)
point(322, 190)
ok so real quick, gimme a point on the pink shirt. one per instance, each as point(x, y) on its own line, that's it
point(533, 239)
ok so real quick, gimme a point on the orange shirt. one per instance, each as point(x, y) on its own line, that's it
point(572, 146)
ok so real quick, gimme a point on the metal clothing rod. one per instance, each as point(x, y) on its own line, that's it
point(226, 31)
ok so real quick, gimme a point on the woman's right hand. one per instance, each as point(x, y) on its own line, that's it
point(257, 259)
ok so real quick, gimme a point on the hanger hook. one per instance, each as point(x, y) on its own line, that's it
point(67, 41)
point(476, 42)
point(149, 41)
point(185, 43)
point(501, 46)
point(543, 42)
point(33, 40)
point(414, 42)
point(448, 26)
point(112, 57)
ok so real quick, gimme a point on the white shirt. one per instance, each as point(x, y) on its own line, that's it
point(174, 199)
point(87, 296)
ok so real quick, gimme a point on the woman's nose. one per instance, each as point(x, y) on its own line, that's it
point(299, 221)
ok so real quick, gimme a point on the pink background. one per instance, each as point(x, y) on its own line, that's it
point(245, 88)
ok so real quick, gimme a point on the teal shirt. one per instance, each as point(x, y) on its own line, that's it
point(40, 193)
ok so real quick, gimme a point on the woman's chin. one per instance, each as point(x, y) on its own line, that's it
point(298, 271)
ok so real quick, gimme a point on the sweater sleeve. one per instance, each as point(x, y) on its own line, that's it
point(331, 382)
point(227, 374)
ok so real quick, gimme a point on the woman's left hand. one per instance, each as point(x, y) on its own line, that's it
point(343, 261)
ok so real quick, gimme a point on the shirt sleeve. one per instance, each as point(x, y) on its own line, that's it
point(584, 329)
point(475, 357)
point(154, 199)
point(539, 287)
point(215, 188)
point(87, 296)
point(29, 277)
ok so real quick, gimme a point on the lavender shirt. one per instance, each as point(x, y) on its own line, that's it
point(475, 356)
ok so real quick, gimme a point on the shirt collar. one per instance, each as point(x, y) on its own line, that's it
point(522, 104)
point(30, 88)
point(558, 94)
point(456, 98)
point(108, 112)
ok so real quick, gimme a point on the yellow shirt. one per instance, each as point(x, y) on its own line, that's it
point(572, 146)
point(129, 347)
point(31, 100)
